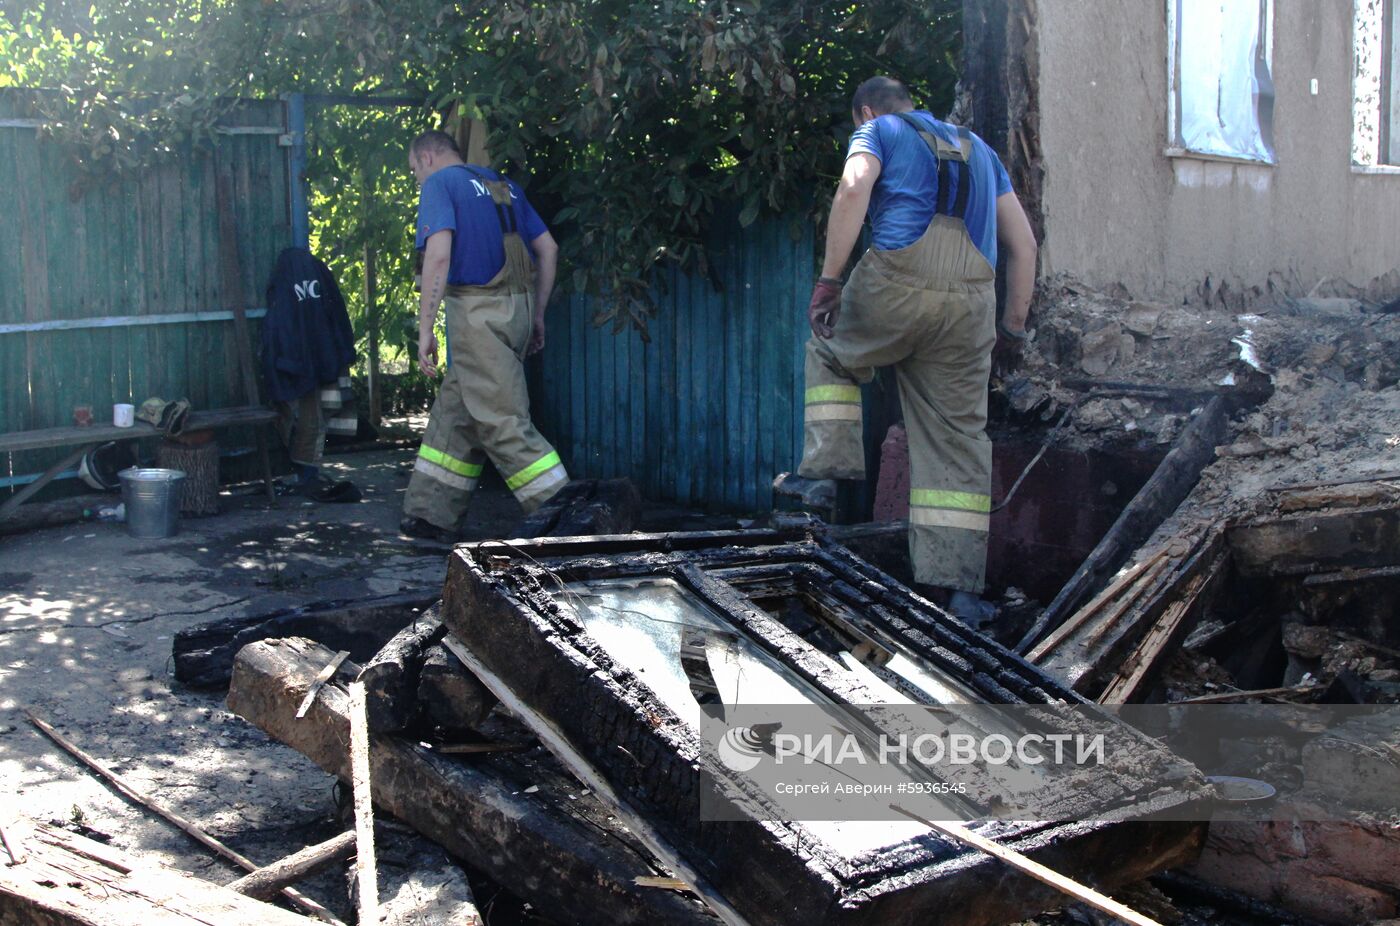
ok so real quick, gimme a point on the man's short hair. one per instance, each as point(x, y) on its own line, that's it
point(434, 140)
point(882, 95)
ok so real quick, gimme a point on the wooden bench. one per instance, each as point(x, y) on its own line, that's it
point(86, 438)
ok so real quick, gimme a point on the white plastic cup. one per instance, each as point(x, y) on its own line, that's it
point(123, 416)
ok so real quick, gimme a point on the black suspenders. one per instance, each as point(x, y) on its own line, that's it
point(954, 176)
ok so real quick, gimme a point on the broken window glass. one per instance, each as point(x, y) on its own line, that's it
point(1375, 84)
point(1223, 90)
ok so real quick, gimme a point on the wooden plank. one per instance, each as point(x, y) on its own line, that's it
point(70, 880)
point(38, 365)
point(1028, 866)
point(69, 436)
point(686, 407)
point(651, 472)
point(804, 273)
point(140, 341)
point(366, 873)
point(326, 674)
point(697, 342)
point(611, 375)
point(747, 373)
point(637, 388)
point(122, 787)
point(578, 384)
point(12, 381)
point(1106, 623)
point(1059, 634)
point(668, 332)
point(199, 338)
point(719, 375)
point(1198, 573)
point(765, 460)
point(1227, 697)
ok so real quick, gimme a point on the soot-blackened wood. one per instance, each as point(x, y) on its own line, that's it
point(204, 654)
point(775, 871)
point(1317, 542)
point(1173, 480)
point(391, 676)
point(585, 508)
point(450, 698)
point(561, 855)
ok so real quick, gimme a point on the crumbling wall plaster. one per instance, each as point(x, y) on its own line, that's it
point(1117, 210)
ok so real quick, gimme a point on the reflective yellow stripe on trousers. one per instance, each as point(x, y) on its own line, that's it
point(447, 469)
point(945, 508)
point(537, 478)
point(833, 403)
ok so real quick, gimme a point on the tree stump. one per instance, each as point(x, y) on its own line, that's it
point(199, 491)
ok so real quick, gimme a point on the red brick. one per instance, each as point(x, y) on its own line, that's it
point(892, 488)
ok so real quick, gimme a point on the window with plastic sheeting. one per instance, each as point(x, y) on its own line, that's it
point(1222, 78)
point(1375, 85)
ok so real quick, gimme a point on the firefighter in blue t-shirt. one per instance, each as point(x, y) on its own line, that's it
point(473, 229)
point(922, 299)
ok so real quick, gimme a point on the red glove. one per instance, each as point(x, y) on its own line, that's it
point(825, 307)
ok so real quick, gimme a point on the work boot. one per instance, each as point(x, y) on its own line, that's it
point(971, 610)
point(810, 493)
point(427, 530)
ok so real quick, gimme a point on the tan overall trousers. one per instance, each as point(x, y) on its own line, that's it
point(482, 410)
point(305, 423)
point(929, 311)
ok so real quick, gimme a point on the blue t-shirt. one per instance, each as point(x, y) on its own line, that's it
point(906, 192)
point(456, 198)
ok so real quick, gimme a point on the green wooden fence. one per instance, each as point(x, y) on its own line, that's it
point(114, 293)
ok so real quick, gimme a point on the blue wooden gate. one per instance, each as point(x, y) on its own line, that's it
point(709, 411)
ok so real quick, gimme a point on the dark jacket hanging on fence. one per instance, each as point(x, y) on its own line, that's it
point(306, 337)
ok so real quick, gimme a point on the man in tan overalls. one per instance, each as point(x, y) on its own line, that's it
point(922, 299)
point(473, 227)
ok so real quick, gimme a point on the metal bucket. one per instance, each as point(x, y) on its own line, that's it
point(152, 499)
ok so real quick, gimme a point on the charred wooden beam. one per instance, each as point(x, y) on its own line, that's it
point(505, 814)
point(1170, 484)
point(451, 699)
point(203, 655)
point(1317, 542)
point(391, 676)
point(586, 507)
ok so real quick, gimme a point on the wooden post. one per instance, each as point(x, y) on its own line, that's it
point(365, 866)
point(231, 282)
point(372, 326)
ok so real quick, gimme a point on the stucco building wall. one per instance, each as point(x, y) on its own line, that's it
point(1116, 209)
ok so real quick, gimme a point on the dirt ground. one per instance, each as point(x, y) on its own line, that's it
point(87, 614)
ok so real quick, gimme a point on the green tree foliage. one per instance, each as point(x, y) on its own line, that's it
point(633, 126)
